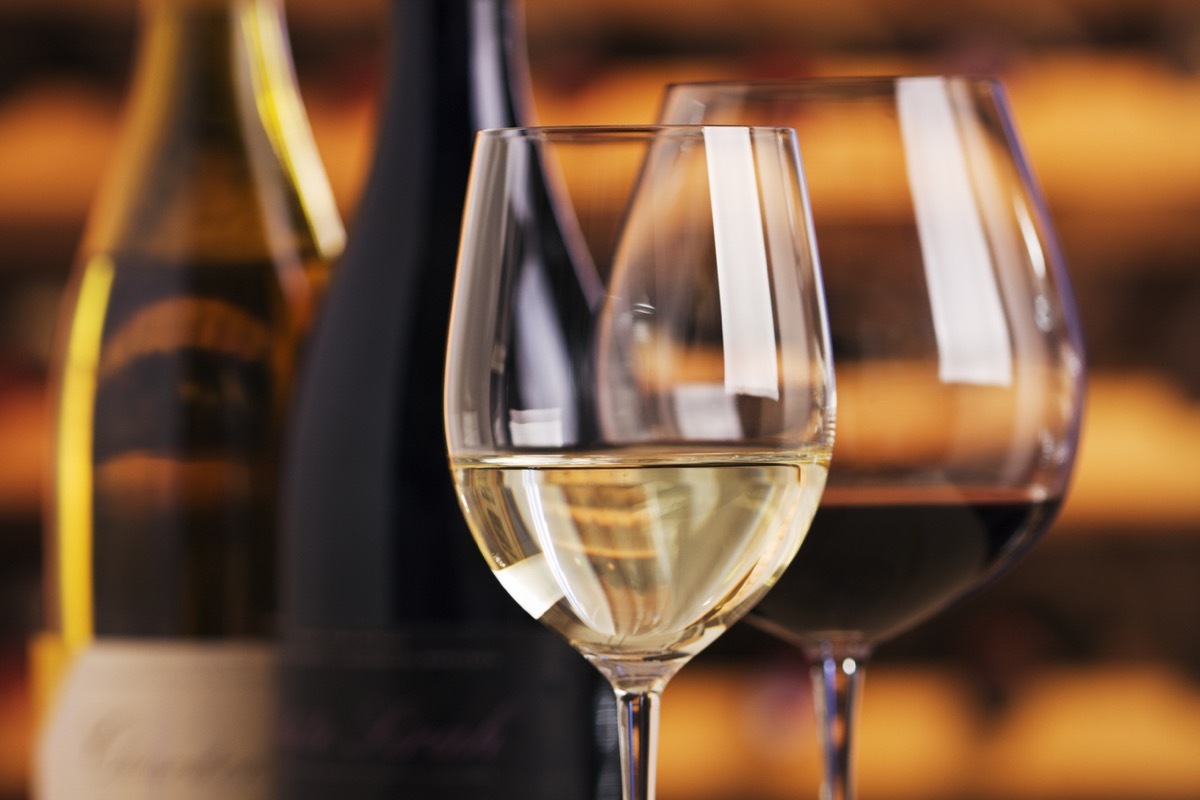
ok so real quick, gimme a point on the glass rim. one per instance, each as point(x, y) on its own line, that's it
point(835, 81)
point(620, 132)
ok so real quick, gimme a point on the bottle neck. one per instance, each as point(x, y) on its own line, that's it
point(187, 47)
point(446, 47)
point(214, 107)
point(454, 67)
point(498, 63)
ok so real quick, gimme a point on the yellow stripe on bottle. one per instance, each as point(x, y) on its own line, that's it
point(73, 461)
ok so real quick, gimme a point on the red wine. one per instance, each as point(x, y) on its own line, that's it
point(406, 669)
point(877, 563)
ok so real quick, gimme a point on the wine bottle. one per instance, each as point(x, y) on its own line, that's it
point(406, 671)
point(205, 254)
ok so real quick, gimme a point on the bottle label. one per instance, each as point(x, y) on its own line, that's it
point(447, 714)
point(184, 721)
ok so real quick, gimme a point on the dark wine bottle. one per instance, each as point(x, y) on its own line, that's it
point(205, 253)
point(406, 669)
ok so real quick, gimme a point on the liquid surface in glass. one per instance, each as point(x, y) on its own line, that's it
point(633, 557)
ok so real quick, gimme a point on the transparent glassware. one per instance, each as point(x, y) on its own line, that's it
point(959, 361)
point(638, 419)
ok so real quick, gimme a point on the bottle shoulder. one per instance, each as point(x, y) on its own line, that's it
point(215, 155)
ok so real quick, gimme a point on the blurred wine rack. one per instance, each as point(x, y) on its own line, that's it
point(1077, 676)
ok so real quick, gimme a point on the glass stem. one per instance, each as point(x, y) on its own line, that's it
point(837, 674)
point(637, 727)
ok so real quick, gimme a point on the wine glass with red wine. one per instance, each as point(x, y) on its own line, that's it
point(958, 357)
point(639, 419)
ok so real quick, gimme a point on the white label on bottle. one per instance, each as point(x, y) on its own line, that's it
point(169, 720)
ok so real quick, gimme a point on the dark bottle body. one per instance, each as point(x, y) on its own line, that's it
point(406, 669)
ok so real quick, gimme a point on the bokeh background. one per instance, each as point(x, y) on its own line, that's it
point(1077, 676)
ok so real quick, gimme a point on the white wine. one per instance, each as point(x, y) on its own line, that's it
point(634, 556)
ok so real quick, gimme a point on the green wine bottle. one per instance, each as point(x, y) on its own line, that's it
point(205, 256)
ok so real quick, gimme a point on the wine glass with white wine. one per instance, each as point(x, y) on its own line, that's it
point(639, 422)
point(959, 361)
